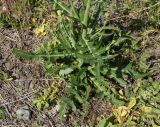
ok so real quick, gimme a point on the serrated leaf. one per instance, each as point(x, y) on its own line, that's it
point(117, 101)
point(109, 57)
point(137, 74)
point(150, 110)
point(63, 6)
point(64, 41)
point(88, 90)
point(86, 14)
point(97, 71)
point(120, 81)
point(70, 103)
point(81, 15)
point(109, 28)
point(62, 110)
point(23, 54)
point(76, 94)
point(134, 73)
point(121, 40)
point(74, 11)
point(71, 11)
point(31, 56)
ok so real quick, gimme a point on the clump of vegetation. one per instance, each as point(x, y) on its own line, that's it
point(99, 59)
point(26, 14)
point(46, 98)
point(142, 109)
point(2, 113)
point(3, 76)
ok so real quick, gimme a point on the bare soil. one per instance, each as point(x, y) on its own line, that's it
point(26, 79)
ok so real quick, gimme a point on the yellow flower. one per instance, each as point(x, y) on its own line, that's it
point(40, 30)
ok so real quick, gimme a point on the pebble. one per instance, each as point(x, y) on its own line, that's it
point(54, 110)
point(24, 113)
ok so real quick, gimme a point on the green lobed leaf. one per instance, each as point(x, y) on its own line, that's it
point(23, 54)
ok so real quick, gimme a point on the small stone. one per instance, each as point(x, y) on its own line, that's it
point(24, 113)
point(8, 66)
point(54, 110)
